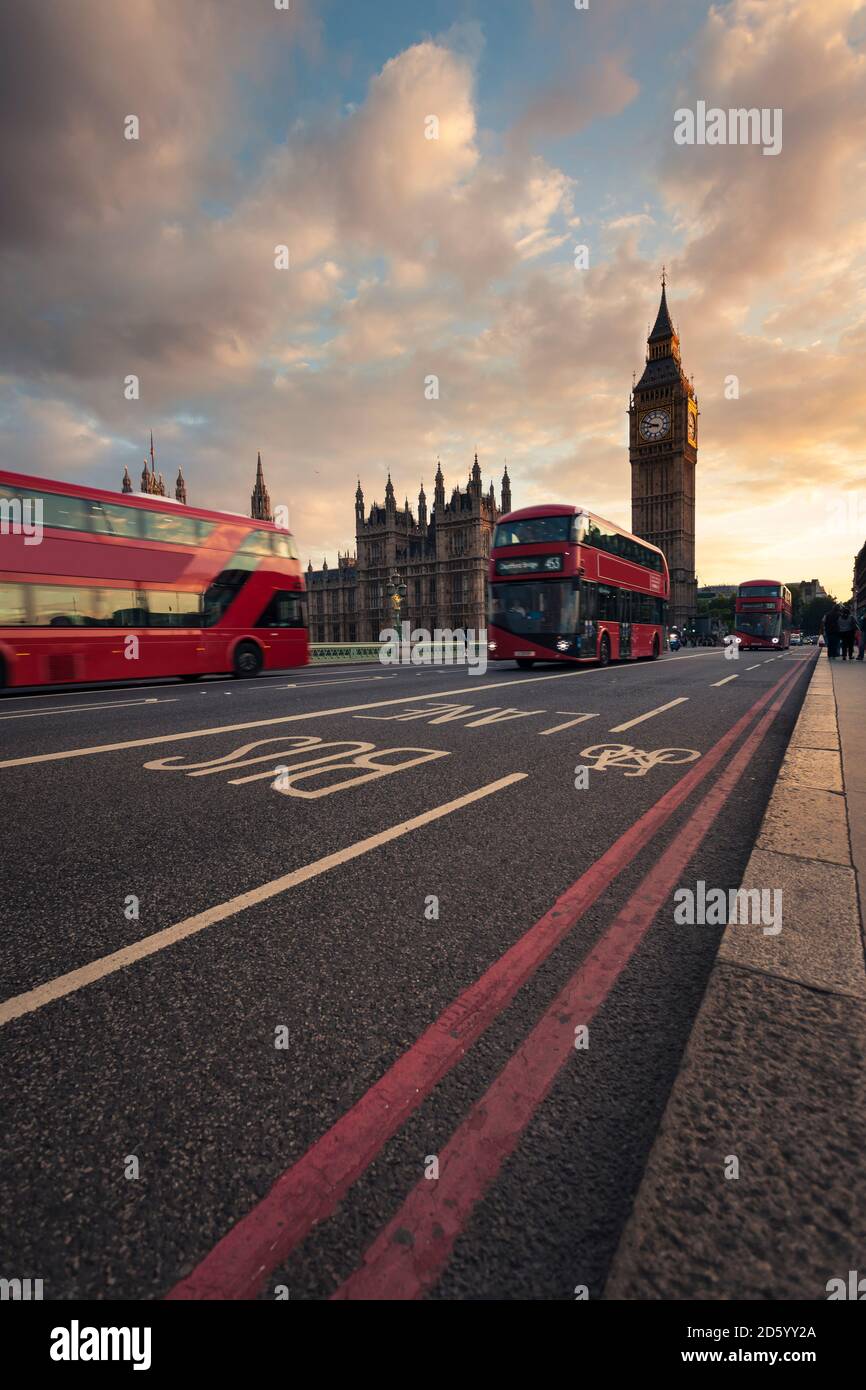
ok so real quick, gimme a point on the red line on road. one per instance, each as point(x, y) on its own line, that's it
point(309, 1191)
point(409, 1254)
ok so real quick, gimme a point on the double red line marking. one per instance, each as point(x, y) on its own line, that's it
point(435, 1211)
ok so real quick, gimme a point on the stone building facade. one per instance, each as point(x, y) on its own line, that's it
point(442, 559)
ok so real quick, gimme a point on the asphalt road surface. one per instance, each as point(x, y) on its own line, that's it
point(276, 953)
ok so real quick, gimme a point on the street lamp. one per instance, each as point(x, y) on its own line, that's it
point(396, 594)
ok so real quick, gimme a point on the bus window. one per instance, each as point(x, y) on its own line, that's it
point(286, 609)
point(220, 593)
point(73, 605)
point(13, 605)
point(181, 530)
point(172, 609)
point(606, 603)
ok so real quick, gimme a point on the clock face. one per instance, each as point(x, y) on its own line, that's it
point(693, 427)
point(655, 424)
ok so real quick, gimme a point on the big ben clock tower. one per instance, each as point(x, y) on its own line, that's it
point(663, 452)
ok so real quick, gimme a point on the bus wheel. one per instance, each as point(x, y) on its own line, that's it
point(248, 659)
point(604, 650)
point(655, 653)
point(524, 663)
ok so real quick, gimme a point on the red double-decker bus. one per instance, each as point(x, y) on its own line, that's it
point(762, 615)
point(95, 588)
point(565, 585)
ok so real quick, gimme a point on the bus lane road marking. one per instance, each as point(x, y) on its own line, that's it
point(439, 713)
point(301, 758)
point(74, 980)
point(62, 754)
point(725, 681)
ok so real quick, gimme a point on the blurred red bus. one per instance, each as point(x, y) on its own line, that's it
point(96, 586)
point(565, 585)
point(762, 615)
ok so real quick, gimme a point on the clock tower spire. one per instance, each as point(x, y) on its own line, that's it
point(663, 452)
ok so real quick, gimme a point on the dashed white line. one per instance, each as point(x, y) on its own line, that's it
point(650, 714)
point(569, 724)
point(725, 681)
point(74, 709)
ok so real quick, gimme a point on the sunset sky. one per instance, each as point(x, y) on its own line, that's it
point(454, 257)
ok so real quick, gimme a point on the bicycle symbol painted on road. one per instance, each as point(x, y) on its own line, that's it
point(641, 761)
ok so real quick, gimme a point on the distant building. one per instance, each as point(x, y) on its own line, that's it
point(859, 589)
point(711, 591)
point(809, 589)
point(153, 484)
point(441, 560)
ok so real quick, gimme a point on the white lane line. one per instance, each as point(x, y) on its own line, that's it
point(651, 714)
point(264, 681)
point(557, 728)
point(475, 689)
point(753, 668)
point(725, 681)
point(34, 999)
point(344, 680)
point(74, 709)
point(128, 688)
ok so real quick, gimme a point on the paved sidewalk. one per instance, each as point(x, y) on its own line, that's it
point(771, 1086)
point(849, 689)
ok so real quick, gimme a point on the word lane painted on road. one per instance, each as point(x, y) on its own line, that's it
point(305, 758)
point(447, 713)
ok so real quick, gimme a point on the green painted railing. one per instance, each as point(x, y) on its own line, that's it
point(343, 651)
point(327, 653)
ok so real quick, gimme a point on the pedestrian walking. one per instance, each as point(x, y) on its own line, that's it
point(830, 628)
point(847, 631)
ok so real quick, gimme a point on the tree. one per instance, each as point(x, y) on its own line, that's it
point(812, 613)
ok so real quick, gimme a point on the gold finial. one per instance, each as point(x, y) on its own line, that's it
point(664, 276)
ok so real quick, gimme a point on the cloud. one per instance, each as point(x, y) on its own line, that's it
point(750, 216)
point(71, 73)
point(565, 107)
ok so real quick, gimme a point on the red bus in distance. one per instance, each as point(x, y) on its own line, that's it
point(762, 615)
point(566, 585)
point(96, 586)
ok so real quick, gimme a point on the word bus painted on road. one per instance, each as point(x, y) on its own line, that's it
point(762, 615)
point(565, 585)
point(103, 589)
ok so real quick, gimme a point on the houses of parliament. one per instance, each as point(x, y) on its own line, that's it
point(442, 555)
